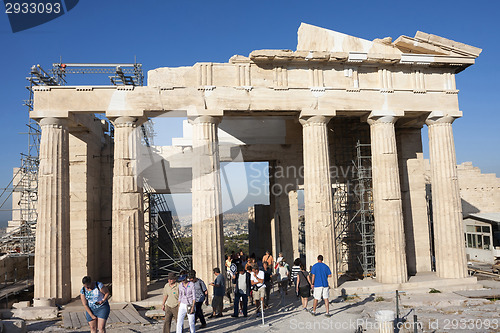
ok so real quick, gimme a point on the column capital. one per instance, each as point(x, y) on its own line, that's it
point(438, 117)
point(205, 119)
point(54, 122)
point(377, 117)
point(310, 120)
point(126, 121)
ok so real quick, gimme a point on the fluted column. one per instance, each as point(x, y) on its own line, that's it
point(319, 226)
point(390, 257)
point(293, 203)
point(449, 242)
point(208, 236)
point(52, 277)
point(128, 243)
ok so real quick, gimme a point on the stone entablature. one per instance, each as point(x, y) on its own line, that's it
point(329, 71)
point(189, 101)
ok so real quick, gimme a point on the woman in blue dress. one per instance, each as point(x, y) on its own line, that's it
point(94, 296)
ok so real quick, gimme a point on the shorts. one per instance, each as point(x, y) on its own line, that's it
point(218, 303)
point(261, 293)
point(321, 292)
point(100, 312)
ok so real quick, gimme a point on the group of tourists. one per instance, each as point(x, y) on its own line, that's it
point(253, 278)
point(249, 278)
point(184, 295)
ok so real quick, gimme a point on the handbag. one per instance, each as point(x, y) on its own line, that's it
point(305, 277)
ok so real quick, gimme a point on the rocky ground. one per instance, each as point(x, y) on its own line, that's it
point(435, 312)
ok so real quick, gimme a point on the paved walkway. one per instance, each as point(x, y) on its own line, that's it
point(436, 313)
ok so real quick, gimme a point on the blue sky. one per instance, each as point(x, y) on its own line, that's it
point(181, 33)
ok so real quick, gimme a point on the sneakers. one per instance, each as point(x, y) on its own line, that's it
point(328, 315)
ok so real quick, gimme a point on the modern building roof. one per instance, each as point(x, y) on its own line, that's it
point(486, 217)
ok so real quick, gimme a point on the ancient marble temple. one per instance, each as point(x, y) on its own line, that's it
point(278, 106)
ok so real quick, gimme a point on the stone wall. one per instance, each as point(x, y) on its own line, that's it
point(12, 267)
point(90, 204)
point(480, 192)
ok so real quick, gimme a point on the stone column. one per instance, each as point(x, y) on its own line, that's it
point(319, 226)
point(208, 232)
point(411, 169)
point(128, 253)
point(284, 182)
point(84, 203)
point(390, 258)
point(259, 229)
point(52, 277)
point(294, 221)
point(449, 242)
point(273, 213)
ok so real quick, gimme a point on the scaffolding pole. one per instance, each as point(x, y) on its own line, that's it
point(366, 223)
point(352, 198)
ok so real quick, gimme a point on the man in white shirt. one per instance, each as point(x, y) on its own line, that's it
point(241, 281)
point(282, 274)
point(257, 279)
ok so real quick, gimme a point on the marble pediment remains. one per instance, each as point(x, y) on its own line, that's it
point(316, 44)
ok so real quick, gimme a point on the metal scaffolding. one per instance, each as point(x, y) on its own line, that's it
point(365, 223)
point(20, 238)
point(166, 252)
point(352, 199)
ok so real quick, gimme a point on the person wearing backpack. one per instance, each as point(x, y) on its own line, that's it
point(94, 296)
point(201, 293)
point(242, 285)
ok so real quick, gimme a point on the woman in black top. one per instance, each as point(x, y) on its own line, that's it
point(303, 286)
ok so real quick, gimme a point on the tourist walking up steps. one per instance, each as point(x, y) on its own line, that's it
point(219, 291)
point(94, 296)
point(187, 303)
point(280, 257)
point(295, 270)
point(259, 288)
point(268, 281)
point(320, 273)
point(303, 286)
point(201, 292)
point(242, 284)
point(268, 258)
point(282, 277)
point(170, 301)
